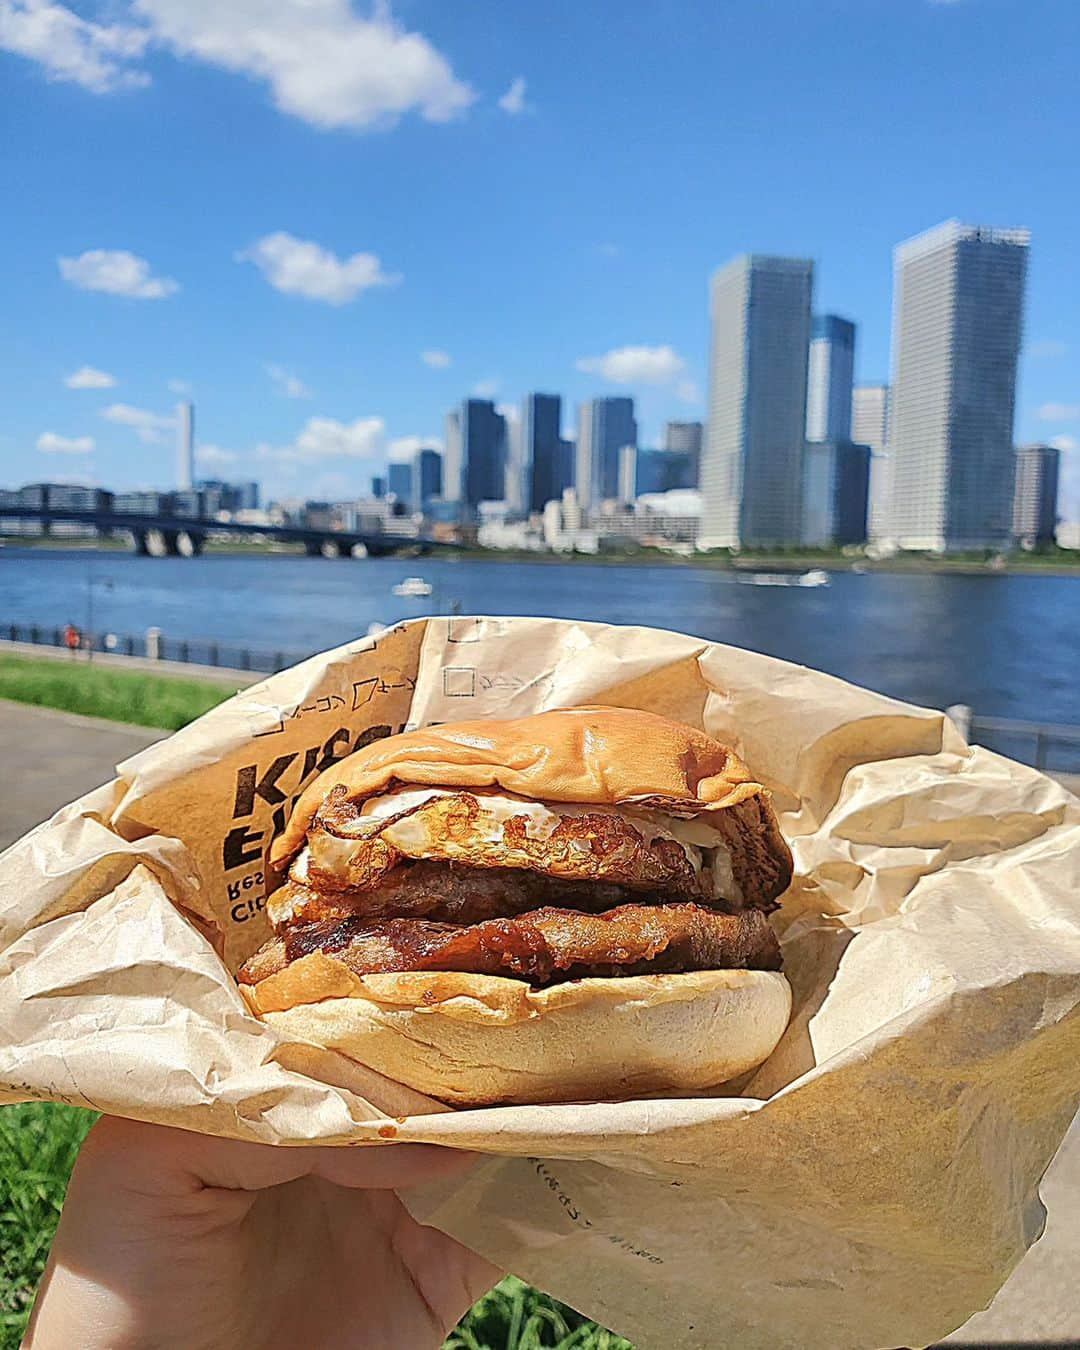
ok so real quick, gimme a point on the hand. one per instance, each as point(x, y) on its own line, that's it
point(171, 1239)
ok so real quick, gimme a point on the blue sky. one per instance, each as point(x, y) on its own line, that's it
point(281, 204)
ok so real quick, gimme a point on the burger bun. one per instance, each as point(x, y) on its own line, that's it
point(483, 1040)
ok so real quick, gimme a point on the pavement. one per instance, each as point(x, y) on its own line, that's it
point(50, 758)
point(59, 756)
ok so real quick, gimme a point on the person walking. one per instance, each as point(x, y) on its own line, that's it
point(72, 639)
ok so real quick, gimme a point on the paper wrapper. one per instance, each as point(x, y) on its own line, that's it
point(871, 1185)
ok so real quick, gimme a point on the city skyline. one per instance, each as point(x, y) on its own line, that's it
point(320, 319)
point(964, 326)
point(776, 465)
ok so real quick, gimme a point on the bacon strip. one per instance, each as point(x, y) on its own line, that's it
point(543, 946)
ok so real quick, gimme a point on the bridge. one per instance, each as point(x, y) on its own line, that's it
point(184, 536)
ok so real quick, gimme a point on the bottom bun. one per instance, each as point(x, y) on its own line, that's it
point(482, 1040)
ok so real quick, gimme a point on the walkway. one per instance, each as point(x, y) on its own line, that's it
point(50, 758)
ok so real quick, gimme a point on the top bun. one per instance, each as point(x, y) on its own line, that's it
point(590, 755)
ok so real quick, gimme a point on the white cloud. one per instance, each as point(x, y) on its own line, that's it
point(513, 101)
point(323, 62)
point(301, 267)
point(1065, 443)
point(636, 365)
point(117, 272)
point(485, 388)
point(148, 426)
point(290, 385)
point(1048, 347)
point(86, 377)
point(179, 387)
point(686, 391)
point(1059, 412)
point(325, 438)
point(609, 250)
point(436, 360)
point(49, 443)
point(73, 50)
point(214, 454)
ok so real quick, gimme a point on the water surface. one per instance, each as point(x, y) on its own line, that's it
point(1006, 645)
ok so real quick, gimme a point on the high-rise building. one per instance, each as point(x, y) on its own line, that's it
point(870, 416)
point(651, 470)
point(1035, 494)
point(453, 459)
point(399, 481)
point(684, 438)
point(185, 445)
point(958, 304)
point(221, 496)
point(483, 452)
point(378, 487)
point(751, 466)
point(628, 457)
point(605, 425)
point(665, 470)
point(567, 463)
point(427, 469)
point(541, 419)
point(830, 378)
point(583, 455)
point(836, 481)
point(870, 426)
point(517, 487)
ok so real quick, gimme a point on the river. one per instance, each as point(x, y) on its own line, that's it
point(1006, 645)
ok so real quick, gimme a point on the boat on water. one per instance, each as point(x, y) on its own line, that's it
point(413, 588)
point(816, 576)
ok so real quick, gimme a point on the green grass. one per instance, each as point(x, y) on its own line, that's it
point(516, 1317)
point(120, 695)
point(38, 1144)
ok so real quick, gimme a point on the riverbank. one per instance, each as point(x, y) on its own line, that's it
point(94, 689)
point(1059, 562)
point(1063, 564)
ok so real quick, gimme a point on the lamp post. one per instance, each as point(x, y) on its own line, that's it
point(90, 582)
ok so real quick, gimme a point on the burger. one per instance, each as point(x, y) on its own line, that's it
point(571, 906)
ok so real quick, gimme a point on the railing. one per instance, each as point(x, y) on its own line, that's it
point(154, 646)
point(1055, 748)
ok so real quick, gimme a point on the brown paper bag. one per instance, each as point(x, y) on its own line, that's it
point(871, 1185)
